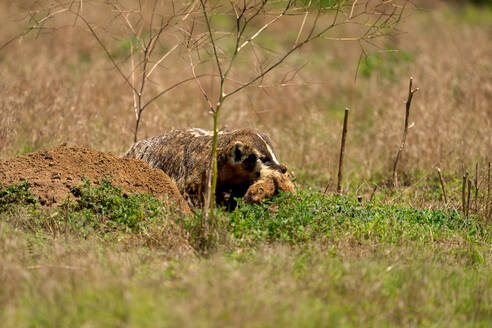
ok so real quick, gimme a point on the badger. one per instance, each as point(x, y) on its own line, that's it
point(184, 155)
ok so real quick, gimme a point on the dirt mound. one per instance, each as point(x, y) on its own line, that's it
point(53, 172)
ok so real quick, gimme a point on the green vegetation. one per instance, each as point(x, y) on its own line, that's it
point(15, 195)
point(309, 216)
point(119, 209)
point(304, 260)
point(101, 209)
point(386, 64)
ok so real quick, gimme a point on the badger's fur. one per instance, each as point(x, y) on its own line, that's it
point(185, 154)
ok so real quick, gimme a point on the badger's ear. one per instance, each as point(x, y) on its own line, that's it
point(237, 152)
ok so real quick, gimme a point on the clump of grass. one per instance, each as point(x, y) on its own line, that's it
point(16, 194)
point(108, 203)
point(309, 215)
point(101, 210)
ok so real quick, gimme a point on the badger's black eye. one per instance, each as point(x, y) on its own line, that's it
point(250, 162)
point(264, 159)
point(237, 154)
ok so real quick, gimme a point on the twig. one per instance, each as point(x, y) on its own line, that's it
point(476, 188)
point(468, 198)
point(171, 88)
point(405, 131)
point(488, 209)
point(352, 9)
point(463, 192)
point(108, 54)
point(262, 29)
point(204, 93)
point(211, 36)
point(134, 92)
point(303, 22)
point(443, 187)
point(342, 152)
point(373, 192)
point(34, 27)
point(161, 59)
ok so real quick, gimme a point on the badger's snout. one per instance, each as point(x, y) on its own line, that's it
point(277, 167)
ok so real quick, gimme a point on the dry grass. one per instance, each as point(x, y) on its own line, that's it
point(59, 87)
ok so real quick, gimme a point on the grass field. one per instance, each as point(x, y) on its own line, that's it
point(400, 258)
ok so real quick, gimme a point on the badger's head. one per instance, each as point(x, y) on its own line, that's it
point(249, 160)
point(247, 153)
point(245, 156)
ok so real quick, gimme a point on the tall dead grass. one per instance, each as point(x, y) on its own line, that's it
point(58, 87)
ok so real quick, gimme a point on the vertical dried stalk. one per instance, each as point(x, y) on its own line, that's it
point(405, 130)
point(476, 206)
point(373, 192)
point(463, 193)
point(443, 187)
point(342, 152)
point(468, 198)
point(488, 209)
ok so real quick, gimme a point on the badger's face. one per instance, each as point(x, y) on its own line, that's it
point(245, 163)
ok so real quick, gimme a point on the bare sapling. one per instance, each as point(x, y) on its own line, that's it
point(342, 152)
point(411, 92)
point(146, 26)
point(443, 187)
point(250, 20)
point(149, 28)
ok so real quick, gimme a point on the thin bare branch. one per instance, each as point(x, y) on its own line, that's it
point(303, 22)
point(37, 26)
point(265, 27)
point(211, 35)
point(352, 9)
point(134, 93)
point(108, 54)
point(204, 93)
point(163, 92)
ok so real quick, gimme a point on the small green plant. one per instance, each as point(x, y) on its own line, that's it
point(18, 194)
point(108, 203)
point(309, 215)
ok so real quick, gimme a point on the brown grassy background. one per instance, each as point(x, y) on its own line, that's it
point(58, 87)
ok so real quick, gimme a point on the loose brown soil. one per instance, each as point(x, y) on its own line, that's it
point(53, 172)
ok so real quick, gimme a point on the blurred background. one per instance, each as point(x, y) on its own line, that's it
point(57, 85)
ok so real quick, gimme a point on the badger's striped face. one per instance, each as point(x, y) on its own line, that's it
point(253, 160)
point(267, 157)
